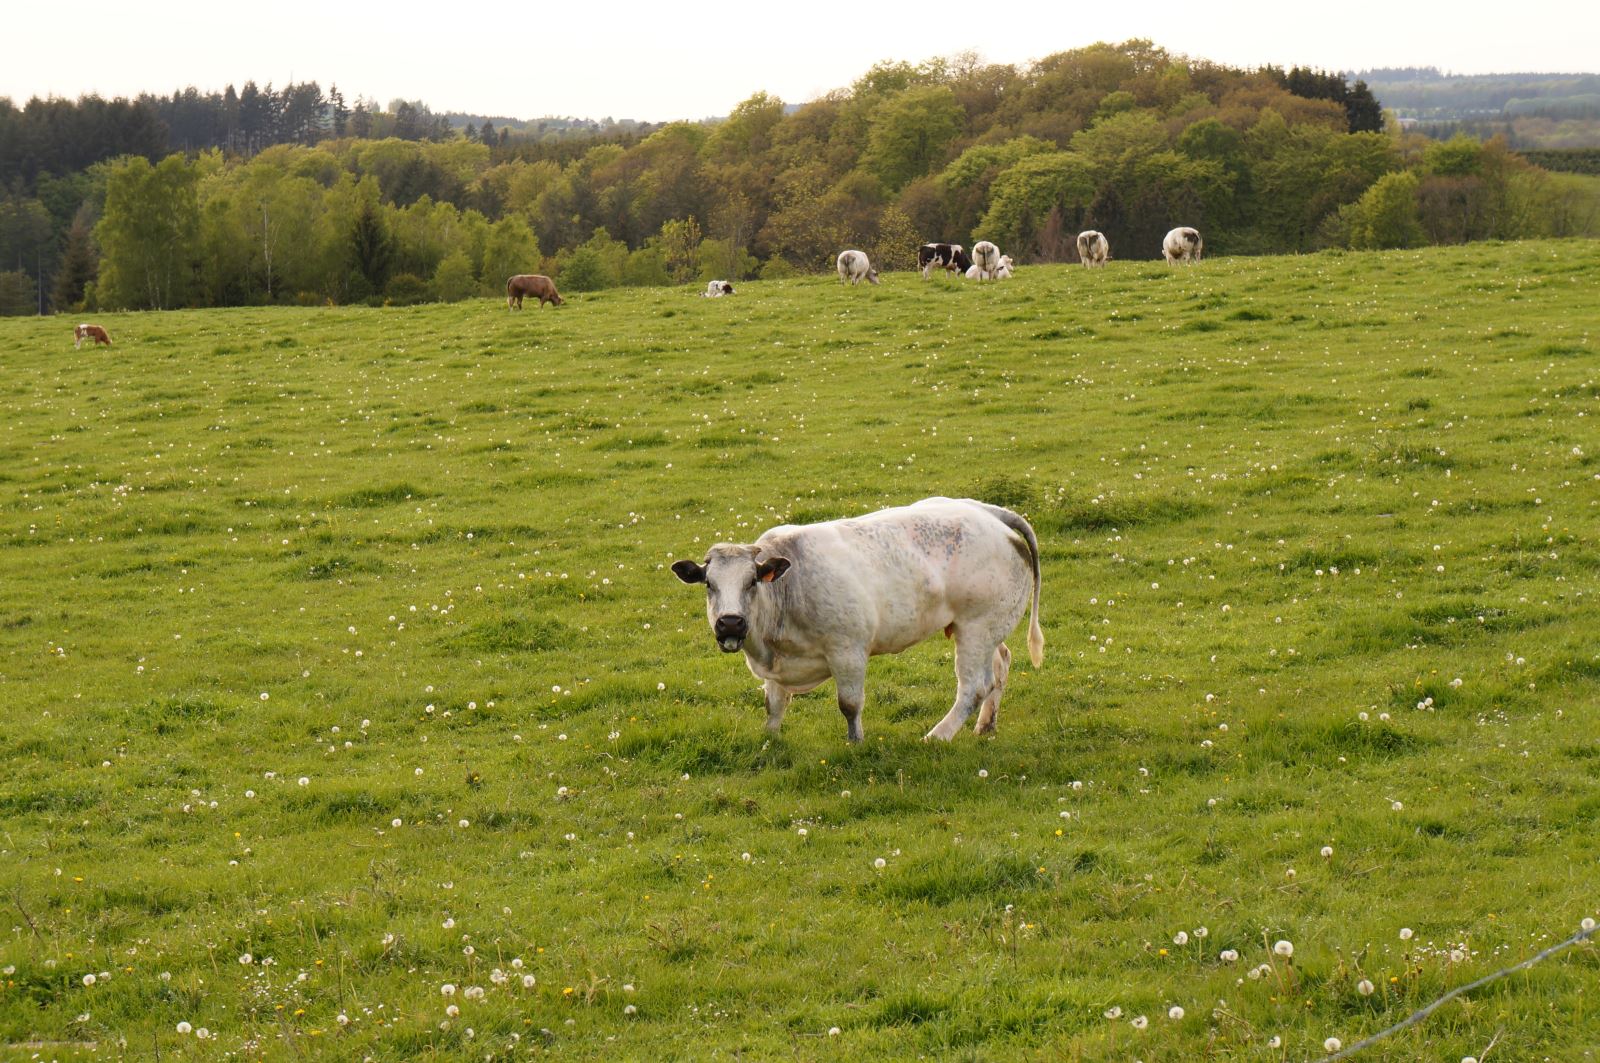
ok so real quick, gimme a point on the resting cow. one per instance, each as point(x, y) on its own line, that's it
point(855, 267)
point(716, 290)
point(94, 333)
point(535, 284)
point(1182, 245)
point(1093, 248)
point(948, 257)
point(809, 602)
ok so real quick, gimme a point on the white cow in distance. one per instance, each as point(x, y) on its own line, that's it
point(814, 601)
point(1093, 248)
point(855, 267)
point(985, 261)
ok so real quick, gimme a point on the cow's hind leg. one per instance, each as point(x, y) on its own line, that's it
point(777, 704)
point(850, 679)
point(991, 703)
point(975, 657)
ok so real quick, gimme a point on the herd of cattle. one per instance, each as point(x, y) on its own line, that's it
point(984, 263)
point(1181, 245)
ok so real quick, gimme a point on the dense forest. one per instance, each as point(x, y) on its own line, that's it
point(208, 199)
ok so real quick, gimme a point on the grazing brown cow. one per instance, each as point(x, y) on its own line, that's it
point(535, 284)
point(89, 332)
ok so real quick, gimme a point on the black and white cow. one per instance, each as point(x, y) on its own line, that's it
point(716, 290)
point(814, 601)
point(951, 258)
point(1182, 244)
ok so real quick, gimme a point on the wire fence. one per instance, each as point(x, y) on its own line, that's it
point(1415, 1017)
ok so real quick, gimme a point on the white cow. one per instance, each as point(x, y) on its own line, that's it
point(716, 290)
point(809, 602)
point(1093, 248)
point(985, 259)
point(855, 267)
point(1182, 244)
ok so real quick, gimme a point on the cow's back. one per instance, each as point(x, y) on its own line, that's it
point(894, 577)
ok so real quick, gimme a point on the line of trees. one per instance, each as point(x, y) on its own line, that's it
point(1127, 139)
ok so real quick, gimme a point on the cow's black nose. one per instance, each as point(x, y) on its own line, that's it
point(731, 627)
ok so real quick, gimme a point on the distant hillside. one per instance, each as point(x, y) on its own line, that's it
point(1530, 110)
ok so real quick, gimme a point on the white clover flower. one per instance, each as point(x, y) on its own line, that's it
point(1284, 948)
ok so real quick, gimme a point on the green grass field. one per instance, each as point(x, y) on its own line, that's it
point(341, 665)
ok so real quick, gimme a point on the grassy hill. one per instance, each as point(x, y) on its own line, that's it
point(342, 666)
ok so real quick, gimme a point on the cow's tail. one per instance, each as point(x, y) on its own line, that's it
point(1017, 524)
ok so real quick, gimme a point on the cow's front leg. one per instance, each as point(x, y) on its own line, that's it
point(850, 677)
point(778, 699)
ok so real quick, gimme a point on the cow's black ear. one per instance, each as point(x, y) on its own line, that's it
point(689, 571)
point(771, 569)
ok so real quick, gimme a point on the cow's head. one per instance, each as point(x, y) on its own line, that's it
point(555, 299)
point(872, 276)
point(735, 593)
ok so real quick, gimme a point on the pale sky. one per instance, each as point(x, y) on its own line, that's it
point(659, 61)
